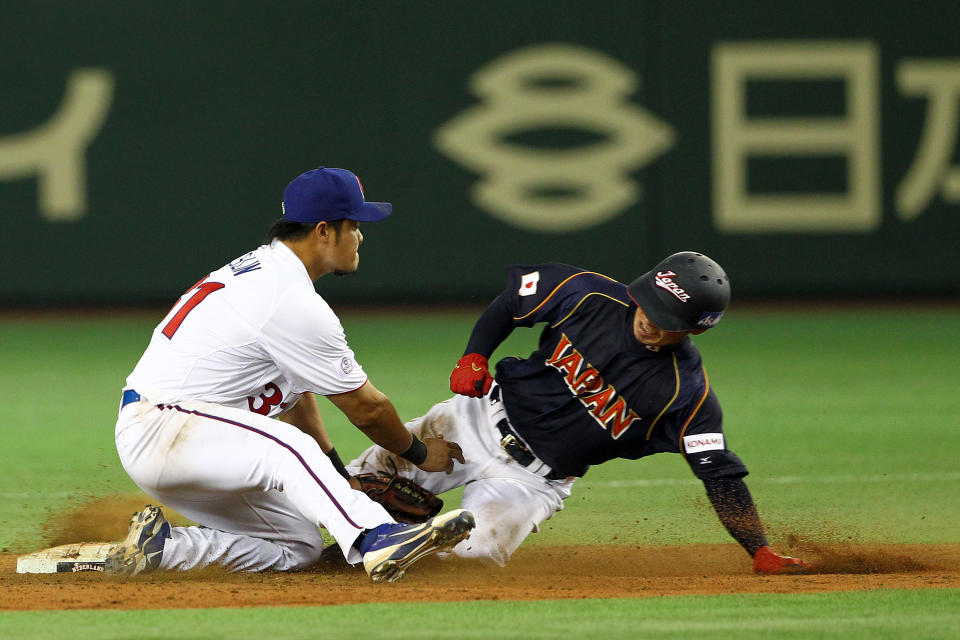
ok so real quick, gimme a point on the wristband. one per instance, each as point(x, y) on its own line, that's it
point(416, 452)
point(338, 463)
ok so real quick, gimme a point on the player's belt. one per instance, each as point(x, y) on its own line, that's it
point(129, 396)
point(514, 446)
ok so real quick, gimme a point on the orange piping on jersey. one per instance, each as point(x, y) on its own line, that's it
point(706, 390)
point(676, 392)
point(567, 317)
point(557, 288)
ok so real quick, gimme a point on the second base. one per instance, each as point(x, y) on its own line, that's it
point(67, 558)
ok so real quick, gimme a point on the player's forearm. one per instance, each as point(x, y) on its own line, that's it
point(371, 412)
point(492, 327)
point(384, 427)
point(735, 507)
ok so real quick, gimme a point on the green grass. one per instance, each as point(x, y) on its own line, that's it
point(846, 418)
point(866, 615)
point(841, 417)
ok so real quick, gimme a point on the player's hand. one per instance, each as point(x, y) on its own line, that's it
point(471, 377)
point(768, 561)
point(440, 455)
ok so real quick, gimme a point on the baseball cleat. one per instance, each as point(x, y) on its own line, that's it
point(142, 549)
point(767, 561)
point(395, 547)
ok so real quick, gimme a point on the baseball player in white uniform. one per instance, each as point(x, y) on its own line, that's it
point(219, 421)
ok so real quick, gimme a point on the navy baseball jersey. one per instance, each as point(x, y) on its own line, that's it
point(592, 392)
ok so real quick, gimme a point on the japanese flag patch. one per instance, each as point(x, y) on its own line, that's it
point(528, 283)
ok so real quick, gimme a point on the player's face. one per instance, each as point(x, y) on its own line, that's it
point(345, 249)
point(652, 335)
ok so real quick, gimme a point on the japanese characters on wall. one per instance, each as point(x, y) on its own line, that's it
point(810, 157)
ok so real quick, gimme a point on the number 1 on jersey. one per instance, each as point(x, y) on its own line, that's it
point(203, 290)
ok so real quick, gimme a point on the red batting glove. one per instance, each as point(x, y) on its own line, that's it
point(471, 376)
point(766, 560)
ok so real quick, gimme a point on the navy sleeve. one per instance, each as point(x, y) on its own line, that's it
point(705, 415)
point(492, 328)
point(704, 444)
point(550, 292)
point(536, 293)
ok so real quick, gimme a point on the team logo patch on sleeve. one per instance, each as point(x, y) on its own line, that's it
point(703, 442)
point(528, 283)
point(346, 365)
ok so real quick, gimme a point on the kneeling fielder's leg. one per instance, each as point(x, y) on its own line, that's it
point(260, 486)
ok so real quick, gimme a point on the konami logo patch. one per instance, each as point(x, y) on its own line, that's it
point(664, 280)
point(703, 442)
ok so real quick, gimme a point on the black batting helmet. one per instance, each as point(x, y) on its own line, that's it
point(684, 292)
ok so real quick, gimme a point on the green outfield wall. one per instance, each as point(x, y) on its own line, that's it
point(809, 147)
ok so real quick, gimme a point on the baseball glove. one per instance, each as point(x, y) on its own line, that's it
point(403, 499)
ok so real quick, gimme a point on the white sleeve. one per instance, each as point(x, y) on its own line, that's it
point(306, 340)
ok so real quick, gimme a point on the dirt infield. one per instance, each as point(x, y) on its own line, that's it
point(535, 573)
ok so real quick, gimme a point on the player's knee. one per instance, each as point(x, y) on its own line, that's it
point(300, 555)
point(301, 551)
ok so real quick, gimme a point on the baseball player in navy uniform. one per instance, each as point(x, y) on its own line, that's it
point(219, 421)
point(615, 375)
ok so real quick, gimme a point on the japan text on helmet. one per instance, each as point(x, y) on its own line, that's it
point(685, 292)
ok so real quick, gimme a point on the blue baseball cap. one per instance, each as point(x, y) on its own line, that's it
point(330, 194)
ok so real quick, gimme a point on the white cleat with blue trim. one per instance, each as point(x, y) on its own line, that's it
point(389, 550)
point(142, 549)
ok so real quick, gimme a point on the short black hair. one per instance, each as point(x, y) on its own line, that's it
point(283, 229)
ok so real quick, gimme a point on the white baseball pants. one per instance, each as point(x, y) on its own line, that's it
point(508, 501)
point(259, 487)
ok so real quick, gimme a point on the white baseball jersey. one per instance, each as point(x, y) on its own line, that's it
point(253, 335)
